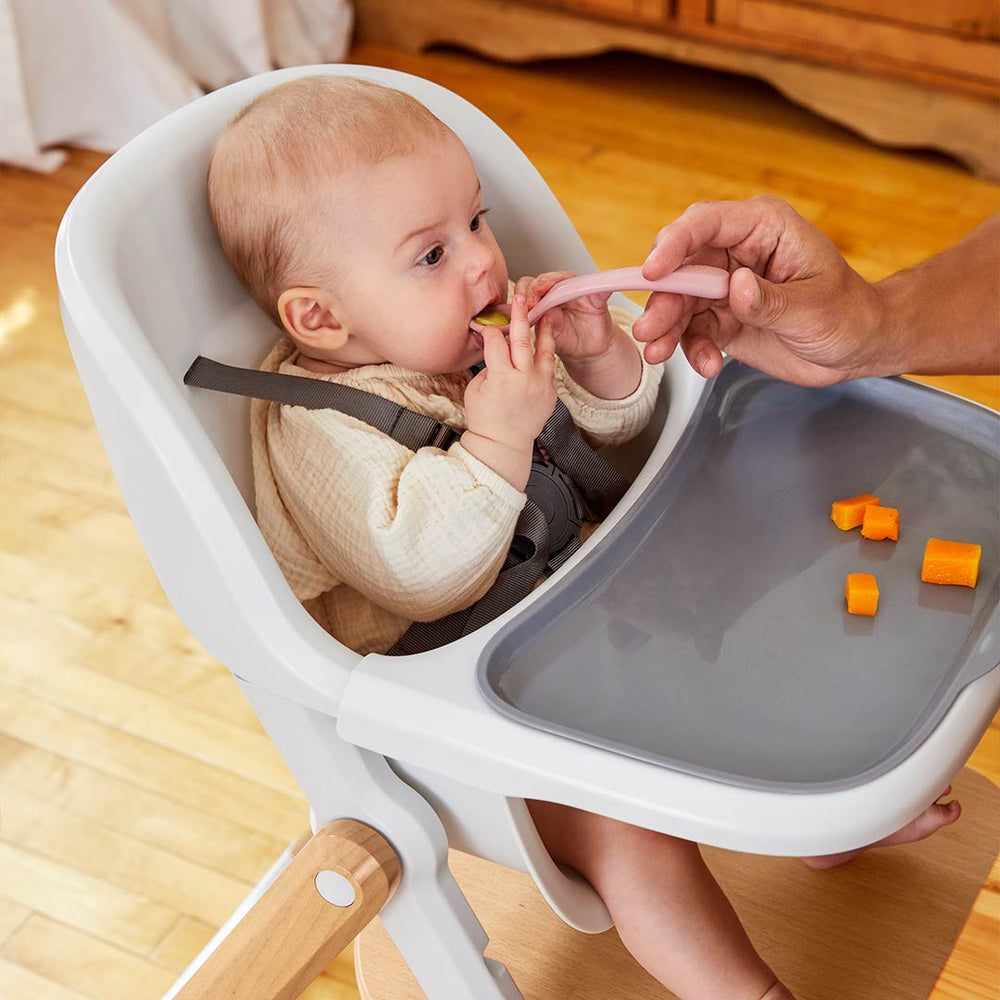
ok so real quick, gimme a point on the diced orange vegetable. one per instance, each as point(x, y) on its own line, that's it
point(862, 594)
point(850, 513)
point(880, 523)
point(955, 563)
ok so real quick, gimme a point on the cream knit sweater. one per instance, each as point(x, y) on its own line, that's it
point(372, 536)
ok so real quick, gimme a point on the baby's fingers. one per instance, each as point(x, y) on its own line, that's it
point(495, 352)
point(545, 351)
point(521, 352)
point(544, 283)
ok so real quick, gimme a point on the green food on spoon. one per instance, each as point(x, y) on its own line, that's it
point(492, 317)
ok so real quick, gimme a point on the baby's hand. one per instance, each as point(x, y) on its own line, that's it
point(581, 328)
point(508, 402)
point(597, 353)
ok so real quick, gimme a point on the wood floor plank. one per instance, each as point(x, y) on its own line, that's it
point(182, 944)
point(11, 917)
point(25, 461)
point(155, 768)
point(239, 851)
point(986, 757)
point(85, 963)
point(117, 915)
point(101, 851)
point(973, 973)
point(20, 983)
point(135, 710)
point(36, 521)
point(112, 631)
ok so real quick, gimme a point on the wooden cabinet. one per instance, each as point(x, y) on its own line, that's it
point(921, 43)
point(919, 73)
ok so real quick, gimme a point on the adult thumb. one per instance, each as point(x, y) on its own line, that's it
point(761, 303)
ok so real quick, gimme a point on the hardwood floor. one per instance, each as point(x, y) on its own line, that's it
point(140, 797)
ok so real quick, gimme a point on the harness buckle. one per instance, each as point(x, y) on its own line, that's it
point(559, 500)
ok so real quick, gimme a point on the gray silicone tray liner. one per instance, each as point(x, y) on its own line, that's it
point(708, 631)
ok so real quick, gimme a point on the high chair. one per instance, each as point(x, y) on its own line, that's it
point(401, 757)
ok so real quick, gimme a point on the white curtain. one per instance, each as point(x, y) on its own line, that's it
point(95, 73)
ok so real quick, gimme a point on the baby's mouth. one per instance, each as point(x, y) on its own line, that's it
point(493, 313)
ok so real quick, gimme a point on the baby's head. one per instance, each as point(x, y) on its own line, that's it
point(354, 218)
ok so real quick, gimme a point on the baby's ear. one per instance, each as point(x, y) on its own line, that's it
point(308, 316)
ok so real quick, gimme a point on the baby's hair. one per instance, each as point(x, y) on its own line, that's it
point(280, 147)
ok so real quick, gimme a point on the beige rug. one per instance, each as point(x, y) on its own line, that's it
point(879, 928)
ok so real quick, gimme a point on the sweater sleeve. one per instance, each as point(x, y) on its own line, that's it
point(612, 421)
point(420, 534)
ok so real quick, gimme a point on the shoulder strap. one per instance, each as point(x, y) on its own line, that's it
point(601, 484)
point(526, 562)
point(411, 429)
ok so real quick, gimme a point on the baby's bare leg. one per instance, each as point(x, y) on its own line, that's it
point(669, 910)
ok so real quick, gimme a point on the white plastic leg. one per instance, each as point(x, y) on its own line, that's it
point(429, 919)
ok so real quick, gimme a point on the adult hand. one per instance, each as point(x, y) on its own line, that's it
point(795, 309)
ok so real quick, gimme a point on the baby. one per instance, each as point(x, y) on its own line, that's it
point(355, 219)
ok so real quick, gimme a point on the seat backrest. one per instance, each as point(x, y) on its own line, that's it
point(144, 288)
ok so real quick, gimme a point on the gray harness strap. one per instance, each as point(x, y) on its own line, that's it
point(550, 490)
point(515, 581)
point(410, 429)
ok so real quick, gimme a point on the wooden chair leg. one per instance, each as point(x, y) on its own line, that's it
point(330, 890)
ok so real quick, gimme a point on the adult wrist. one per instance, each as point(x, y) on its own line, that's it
point(895, 347)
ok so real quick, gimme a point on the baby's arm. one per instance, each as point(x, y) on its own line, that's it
point(421, 534)
point(614, 374)
point(597, 353)
point(612, 421)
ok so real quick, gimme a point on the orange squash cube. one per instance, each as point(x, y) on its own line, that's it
point(880, 523)
point(850, 513)
point(954, 563)
point(862, 594)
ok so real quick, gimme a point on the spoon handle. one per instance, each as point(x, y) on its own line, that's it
point(692, 279)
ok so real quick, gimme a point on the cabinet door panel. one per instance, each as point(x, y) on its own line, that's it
point(848, 37)
point(621, 10)
point(975, 18)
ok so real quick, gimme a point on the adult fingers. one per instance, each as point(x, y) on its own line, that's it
point(664, 311)
point(758, 302)
point(701, 344)
point(662, 349)
point(721, 224)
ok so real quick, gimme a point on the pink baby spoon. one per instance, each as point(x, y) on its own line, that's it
point(692, 279)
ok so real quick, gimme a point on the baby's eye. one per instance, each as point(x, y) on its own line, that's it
point(432, 256)
point(477, 220)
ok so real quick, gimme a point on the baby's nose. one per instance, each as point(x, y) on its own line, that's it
point(481, 261)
